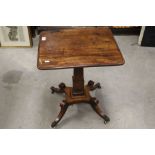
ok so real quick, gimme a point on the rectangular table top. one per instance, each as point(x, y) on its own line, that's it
point(78, 47)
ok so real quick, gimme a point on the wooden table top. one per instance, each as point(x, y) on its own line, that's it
point(78, 47)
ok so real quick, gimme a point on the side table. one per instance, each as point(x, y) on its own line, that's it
point(78, 48)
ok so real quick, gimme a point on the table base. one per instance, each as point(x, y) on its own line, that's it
point(76, 99)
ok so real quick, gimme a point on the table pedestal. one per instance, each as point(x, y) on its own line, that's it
point(79, 93)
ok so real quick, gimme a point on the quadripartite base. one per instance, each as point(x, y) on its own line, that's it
point(71, 99)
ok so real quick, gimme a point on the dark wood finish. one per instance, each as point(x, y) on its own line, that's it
point(64, 107)
point(78, 48)
point(71, 99)
point(78, 94)
point(78, 82)
point(61, 88)
point(81, 47)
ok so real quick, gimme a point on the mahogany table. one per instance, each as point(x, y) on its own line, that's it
point(78, 48)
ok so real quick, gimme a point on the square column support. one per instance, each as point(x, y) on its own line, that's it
point(78, 82)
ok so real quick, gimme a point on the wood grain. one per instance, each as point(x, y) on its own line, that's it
point(78, 47)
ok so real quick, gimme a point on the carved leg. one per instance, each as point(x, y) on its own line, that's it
point(95, 106)
point(64, 107)
point(93, 86)
point(61, 88)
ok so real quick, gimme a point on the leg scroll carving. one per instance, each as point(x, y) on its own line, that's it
point(78, 94)
point(61, 89)
point(92, 86)
point(95, 106)
point(64, 107)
